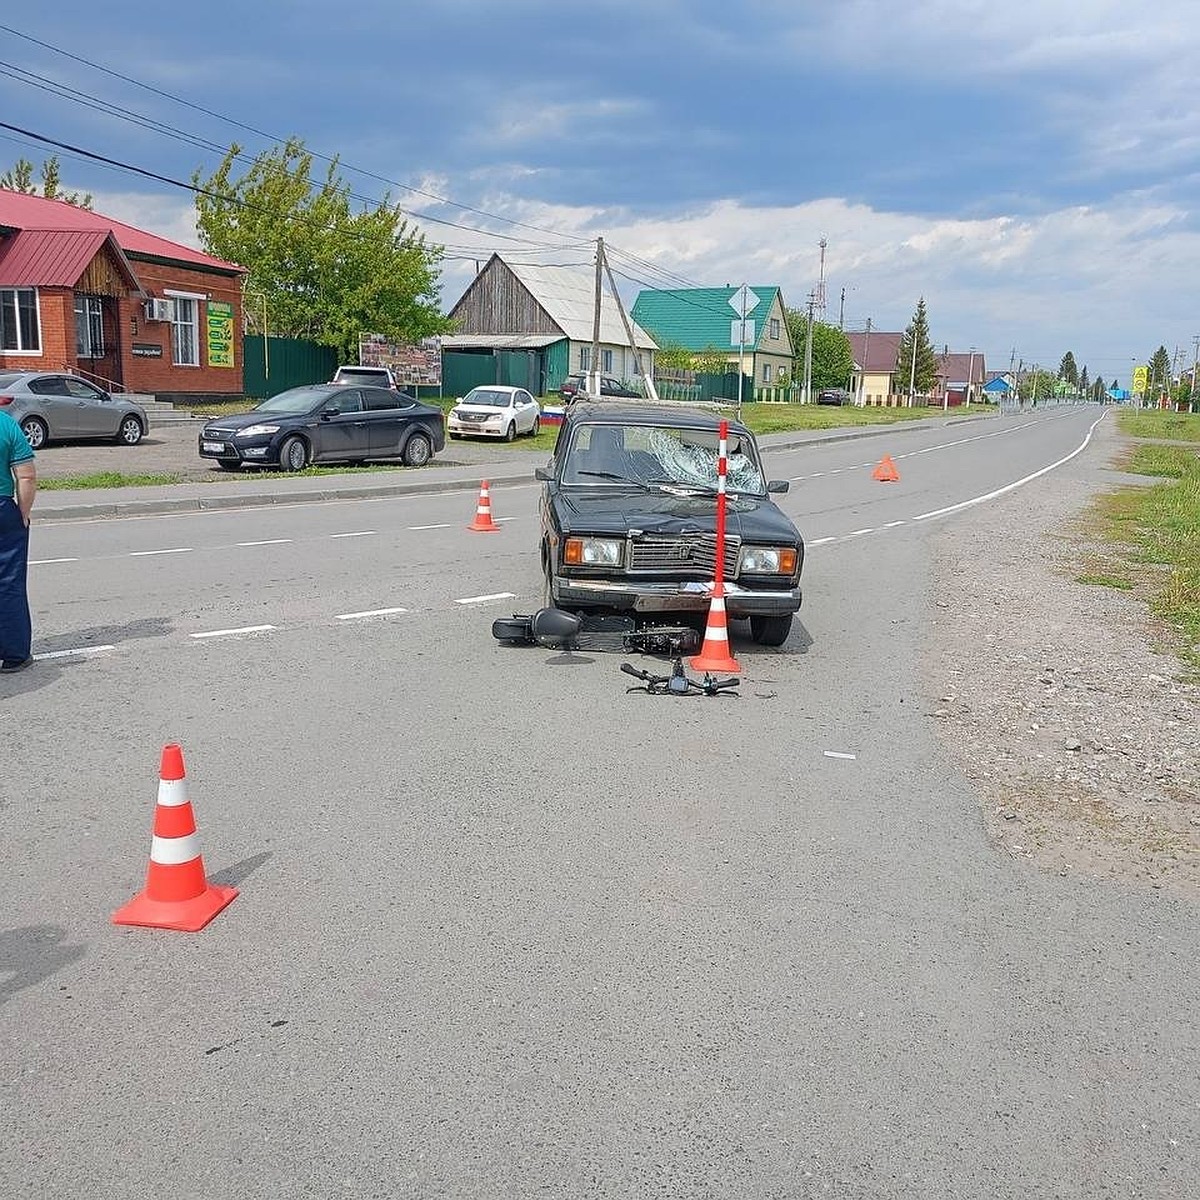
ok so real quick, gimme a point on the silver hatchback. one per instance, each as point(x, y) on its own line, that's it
point(53, 406)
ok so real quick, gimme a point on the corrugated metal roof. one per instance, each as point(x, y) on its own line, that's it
point(499, 341)
point(568, 294)
point(21, 211)
point(56, 257)
point(699, 319)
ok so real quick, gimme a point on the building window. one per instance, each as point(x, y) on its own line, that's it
point(766, 372)
point(774, 329)
point(89, 327)
point(20, 329)
point(185, 344)
point(585, 358)
point(606, 361)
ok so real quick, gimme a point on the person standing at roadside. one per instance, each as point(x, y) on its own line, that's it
point(18, 486)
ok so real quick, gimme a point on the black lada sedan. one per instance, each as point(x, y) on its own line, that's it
point(324, 423)
point(628, 518)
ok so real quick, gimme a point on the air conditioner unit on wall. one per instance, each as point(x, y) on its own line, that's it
point(160, 310)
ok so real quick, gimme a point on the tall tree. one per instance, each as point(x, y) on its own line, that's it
point(1160, 373)
point(1084, 383)
point(325, 272)
point(915, 347)
point(832, 358)
point(20, 179)
point(1068, 372)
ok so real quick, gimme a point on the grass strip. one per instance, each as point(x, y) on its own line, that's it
point(104, 479)
point(1167, 426)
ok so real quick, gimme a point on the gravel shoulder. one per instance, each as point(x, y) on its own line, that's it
point(1063, 702)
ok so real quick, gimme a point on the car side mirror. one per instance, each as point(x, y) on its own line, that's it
point(779, 485)
point(543, 474)
point(329, 412)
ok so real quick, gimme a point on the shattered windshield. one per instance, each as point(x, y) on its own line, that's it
point(659, 455)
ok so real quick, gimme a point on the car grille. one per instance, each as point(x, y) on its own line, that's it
point(685, 554)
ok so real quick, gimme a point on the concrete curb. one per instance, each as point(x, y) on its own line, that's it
point(47, 511)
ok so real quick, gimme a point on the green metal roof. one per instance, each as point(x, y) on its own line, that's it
point(699, 318)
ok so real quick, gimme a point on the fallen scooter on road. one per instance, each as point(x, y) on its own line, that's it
point(679, 683)
point(557, 629)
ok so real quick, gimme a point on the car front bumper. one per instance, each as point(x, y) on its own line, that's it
point(239, 450)
point(475, 430)
point(675, 597)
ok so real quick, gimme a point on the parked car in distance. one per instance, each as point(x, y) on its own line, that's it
point(51, 406)
point(576, 386)
point(367, 376)
point(495, 411)
point(834, 396)
point(324, 423)
point(628, 519)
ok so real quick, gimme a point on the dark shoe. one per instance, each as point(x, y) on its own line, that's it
point(15, 664)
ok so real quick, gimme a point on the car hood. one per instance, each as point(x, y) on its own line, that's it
point(245, 420)
point(753, 519)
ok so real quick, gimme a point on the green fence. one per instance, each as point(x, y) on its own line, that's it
point(462, 371)
point(272, 365)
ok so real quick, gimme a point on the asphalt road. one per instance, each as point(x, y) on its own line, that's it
point(506, 931)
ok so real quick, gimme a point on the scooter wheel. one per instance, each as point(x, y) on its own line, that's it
point(511, 629)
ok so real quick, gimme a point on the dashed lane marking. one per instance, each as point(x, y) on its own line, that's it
point(356, 533)
point(485, 599)
point(371, 612)
point(839, 754)
point(215, 633)
point(149, 553)
point(267, 542)
point(443, 525)
point(45, 562)
point(72, 652)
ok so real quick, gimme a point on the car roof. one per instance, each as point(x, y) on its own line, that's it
point(497, 387)
point(621, 412)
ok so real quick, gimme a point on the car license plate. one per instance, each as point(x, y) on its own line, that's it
point(213, 447)
point(472, 425)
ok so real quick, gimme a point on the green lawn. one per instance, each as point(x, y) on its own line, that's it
point(1149, 423)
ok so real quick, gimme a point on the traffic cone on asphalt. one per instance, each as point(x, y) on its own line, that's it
point(483, 522)
point(886, 471)
point(714, 653)
point(177, 895)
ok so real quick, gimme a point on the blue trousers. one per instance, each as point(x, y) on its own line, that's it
point(16, 629)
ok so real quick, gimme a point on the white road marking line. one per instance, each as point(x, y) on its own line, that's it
point(820, 541)
point(371, 612)
point(498, 520)
point(42, 562)
point(1009, 487)
point(484, 599)
point(839, 754)
point(858, 532)
point(68, 653)
point(212, 633)
point(447, 525)
point(267, 542)
point(359, 533)
point(147, 553)
point(894, 524)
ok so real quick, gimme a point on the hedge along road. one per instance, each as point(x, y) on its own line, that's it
point(504, 930)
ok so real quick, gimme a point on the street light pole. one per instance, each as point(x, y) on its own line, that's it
point(808, 340)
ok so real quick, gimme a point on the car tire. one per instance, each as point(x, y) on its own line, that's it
point(293, 454)
point(537, 427)
point(36, 432)
point(771, 631)
point(130, 431)
point(511, 431)
point(418, 450)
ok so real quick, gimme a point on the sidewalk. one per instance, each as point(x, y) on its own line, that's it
point(262, 490)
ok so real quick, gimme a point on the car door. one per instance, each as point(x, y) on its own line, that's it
point(53, 402)
point(526, 409)
point(388, 416)
point(95, 414)
point(341, 429)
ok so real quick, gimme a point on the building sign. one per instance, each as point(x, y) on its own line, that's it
point(412, 365)
point(146, 350)
point(220, 334)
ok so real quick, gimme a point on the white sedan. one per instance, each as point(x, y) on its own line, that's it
point(495, 411)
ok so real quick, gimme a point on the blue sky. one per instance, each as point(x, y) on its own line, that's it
point(1031, 169)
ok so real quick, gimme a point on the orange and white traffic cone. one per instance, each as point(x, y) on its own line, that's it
point(177, 894)
point(714, 653)
point(886, 471)
point(483, 522)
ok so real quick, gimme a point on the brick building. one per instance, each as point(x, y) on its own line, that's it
point(127, 309)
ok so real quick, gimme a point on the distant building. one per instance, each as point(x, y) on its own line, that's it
point(127, 309)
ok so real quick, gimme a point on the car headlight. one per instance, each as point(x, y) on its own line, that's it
point(593, 552)
point(256, 430)
point(769, 560)
point(493, 417)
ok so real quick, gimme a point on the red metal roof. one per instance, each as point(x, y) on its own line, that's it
point(55, 257)
point(20, 211)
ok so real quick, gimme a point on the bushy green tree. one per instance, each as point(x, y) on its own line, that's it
point(1160, 373)
point(326, 272)
point(832, 358)
point(1068, 372)
point(915, 344)
point(20, 179)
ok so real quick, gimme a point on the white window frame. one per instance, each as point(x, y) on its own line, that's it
point(606, 362)
point(92, 307)
point(774, 334)
point(5, 294)
point(766, 373)
point(585, 358)
point(182, 304)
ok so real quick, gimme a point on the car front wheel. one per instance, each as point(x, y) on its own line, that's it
point(537, 425)
point(130, 432)
point(771, 631)
point(511, 431)
point(293, 454)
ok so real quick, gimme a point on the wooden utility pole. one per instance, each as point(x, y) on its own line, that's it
point(637, 356)
point(594, 371)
